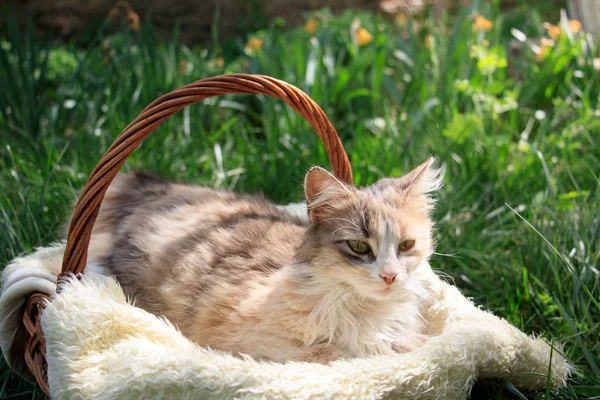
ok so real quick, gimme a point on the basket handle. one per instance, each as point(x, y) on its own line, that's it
point(161, 109)
point(88, 205)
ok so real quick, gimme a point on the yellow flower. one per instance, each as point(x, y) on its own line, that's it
point(401, 19)
point(553, 30)
point(575, 25)
point(363, 37)
point(482, 24)
point(254, 43)
point(311, 26)
point(485, 43)
point(428, 41)
point(219, 62)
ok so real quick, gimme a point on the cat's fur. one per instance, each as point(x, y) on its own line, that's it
point(235, 273)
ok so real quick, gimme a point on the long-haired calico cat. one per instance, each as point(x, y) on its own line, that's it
point(235, 273)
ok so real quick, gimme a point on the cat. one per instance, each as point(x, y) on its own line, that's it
point(235, 273)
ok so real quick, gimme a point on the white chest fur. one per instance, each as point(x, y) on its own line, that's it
point(361, 327)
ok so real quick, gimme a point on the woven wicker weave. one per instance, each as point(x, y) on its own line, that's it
point(87, 208)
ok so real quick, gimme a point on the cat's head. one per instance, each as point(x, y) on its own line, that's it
point(371, 238)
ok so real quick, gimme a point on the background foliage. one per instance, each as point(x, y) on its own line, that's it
point(507, 104)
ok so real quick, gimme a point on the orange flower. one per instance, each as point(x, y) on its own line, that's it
point(541, 53)
point(553, 30)
point(133, 20)
point(311, 26)
point(363, 37)
point(401, 19)
point(575, 25)
point(219, 62)
point(545, 44)
point(107, 51)
point(254, 43)
point(182, 67)
point(416, 26)
point(482, 24)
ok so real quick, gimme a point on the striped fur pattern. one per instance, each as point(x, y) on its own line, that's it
point(235, 273)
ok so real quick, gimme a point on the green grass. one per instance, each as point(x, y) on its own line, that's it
point(519, 215)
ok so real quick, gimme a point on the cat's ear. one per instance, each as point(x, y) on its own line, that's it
point(322, 189)
point(422, 181)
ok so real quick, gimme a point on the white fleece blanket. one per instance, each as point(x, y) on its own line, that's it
point(100, 346)
point(22, 277)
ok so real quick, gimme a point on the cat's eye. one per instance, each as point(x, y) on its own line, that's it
point(407, 245)
point(359, 247)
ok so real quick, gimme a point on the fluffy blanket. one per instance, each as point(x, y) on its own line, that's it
point(100, 346)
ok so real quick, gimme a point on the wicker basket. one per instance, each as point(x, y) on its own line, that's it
point(88, 206)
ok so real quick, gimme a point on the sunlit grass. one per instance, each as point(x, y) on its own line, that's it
point(519, 214)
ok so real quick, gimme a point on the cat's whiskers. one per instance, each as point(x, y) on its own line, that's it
point(340, 298)
point(444, 275)
point(318, 289)
point(347, 222)
point(335, 309)
point(326, 312)
point(358, 232)
point(343, 296)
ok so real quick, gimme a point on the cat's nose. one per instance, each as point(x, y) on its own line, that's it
point(388, 277)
